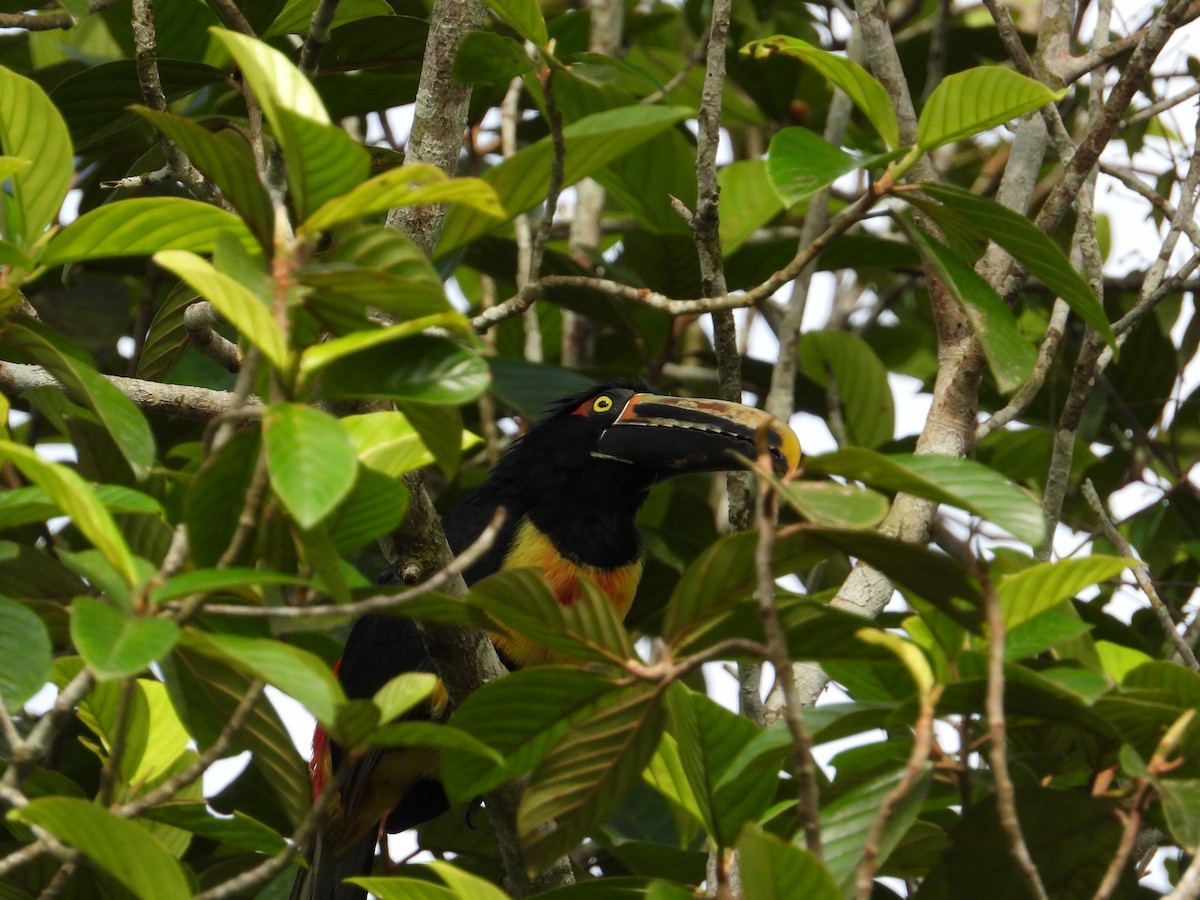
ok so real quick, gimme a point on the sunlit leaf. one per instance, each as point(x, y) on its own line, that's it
point(522, 16)
point(143, 226)
point(75, 498)
point(234, 301)
point(969, 102)
point(409, 185)
point(32, 130)
point(1025, 594)
point(867, 93)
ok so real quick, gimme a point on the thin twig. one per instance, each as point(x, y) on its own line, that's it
point(1028, 391)
point(199, 766)
point(804, 769)
point(50, 21)
point(913, 770)
point(318, 36)
point(520, 301)
point(1142, 573)
point(378, 603)
point(145, 54)
point(997, 741)
point(269, 868)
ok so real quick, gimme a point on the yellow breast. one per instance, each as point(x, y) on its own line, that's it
point(533, 549)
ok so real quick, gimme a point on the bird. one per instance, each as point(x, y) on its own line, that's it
point(571, 487)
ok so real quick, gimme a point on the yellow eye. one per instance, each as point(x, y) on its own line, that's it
point(602, 404)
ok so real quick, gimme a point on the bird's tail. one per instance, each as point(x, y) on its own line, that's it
point(328, 866)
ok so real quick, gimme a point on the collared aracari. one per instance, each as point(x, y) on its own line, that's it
point(571, 486)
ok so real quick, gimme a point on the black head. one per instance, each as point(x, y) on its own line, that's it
point(581, 472)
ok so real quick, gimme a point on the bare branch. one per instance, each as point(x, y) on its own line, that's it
point(997, 741)
point(318, 36)
point(50, 21)
point(1142, 574)
point(804, 769)
point(913, 770)
point(146, 55)
point(378, 603)
point(200, 320)
point(150, 396)
point(211, 754)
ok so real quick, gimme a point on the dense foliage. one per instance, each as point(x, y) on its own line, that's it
point(225, 315)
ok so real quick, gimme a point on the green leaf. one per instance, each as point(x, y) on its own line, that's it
point(1016, 234)
point(520, 716)
point(225, 159)
point(128, 852)
point(586, 628)
point(296, 672)
point(387, 442)
point(155, 739)
point(376, 266)
point(666, 774)
point(1118, 660)
point(773, 869)
point(946, 479)
point(1010, 356)
point(484, 56)
point(31, 130)
point(591, 144)
point(403, 693)
point(323, 161)
point(237, 831)
point(217, 581)
point(75, 498)
point(409, 185)
point(710, 739)
point(859, 379)
point(587, 773)
point(115, 643)
point(376, 505)
point(969, 102)
point(311, 459)
point(722, 576)
point(866, 93)
point(1181, 806)
point(206, 691)
point(395, 888)
point(10, 165)
point(296, 15)
point(522, 16)
point(124, 422)
point(143, 226)
point(1025, 594)
point(801, 162)
point(1071, 837)
point(747, 201)
point(318, 356)
point(25, 647)
point(429, 370)
point(846, 823)
point(930, 575)
point(237, 303)
point(835, 505)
